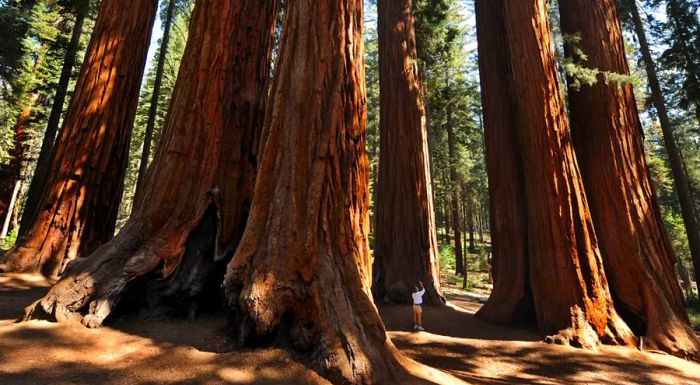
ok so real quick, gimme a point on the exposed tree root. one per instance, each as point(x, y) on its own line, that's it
point(100, 282)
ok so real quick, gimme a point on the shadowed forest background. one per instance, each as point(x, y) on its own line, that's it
point(43, 45)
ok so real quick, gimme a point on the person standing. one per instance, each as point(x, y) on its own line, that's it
point(418, 306)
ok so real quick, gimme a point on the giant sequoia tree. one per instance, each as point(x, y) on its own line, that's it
point(562, 260)
point(78, 207)
point(607, 136)
point(198, 190)
point(405, 238)
point(511, 299)
point(302, 270)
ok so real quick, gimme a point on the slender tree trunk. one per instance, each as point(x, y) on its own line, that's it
point(405, 249)
point(566, 277)
point(153, 110)
point(11, 173)
point(78, 208)
point(198, 191)
point(680, 181)
point(448, 220)
point(456, 195)
point(511, 298)
point(36, 187)
point(607, 136)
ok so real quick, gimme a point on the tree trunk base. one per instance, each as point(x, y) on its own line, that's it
point(581, 334)
point(20, 260)
point(129, 268)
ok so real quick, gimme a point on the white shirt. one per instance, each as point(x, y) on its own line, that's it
point(418, 297)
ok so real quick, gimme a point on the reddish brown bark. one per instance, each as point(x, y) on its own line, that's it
point(680, 178)
point(607, 136)
point(197, 192)
point(11, 173)
point(511, 298)
point(568, 283)
point(302, 270)
point(82, 7)
point(78, 208)
point(405, 249)
point(566, 277)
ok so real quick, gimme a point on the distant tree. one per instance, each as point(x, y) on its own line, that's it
point(157, 82)
point(405, 237)
point(39, 178)
point(42, 50)
point(78, 207)
point(680, 177)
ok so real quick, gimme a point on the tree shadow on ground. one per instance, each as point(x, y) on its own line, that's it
point(129, 350)
point(461, 309)
point(133, 349)
point(482, 353)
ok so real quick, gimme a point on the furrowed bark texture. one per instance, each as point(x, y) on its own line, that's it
point(681, 181)
point(38, 182)
point(565, 271)
point(78, 207)
point(202, 175)
point(607, 136)
point(680, 178)
point(511, 299)
point(405, 238)
point(302, 269)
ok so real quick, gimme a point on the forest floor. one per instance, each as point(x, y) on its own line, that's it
point(136, 351)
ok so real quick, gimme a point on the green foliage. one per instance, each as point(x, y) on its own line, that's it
point(9, 241)
point(581, 75)
point(372, 87)
point(693, 307)
point(31, 60)
point(176, 48)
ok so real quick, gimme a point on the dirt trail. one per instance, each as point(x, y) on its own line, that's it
point(134, 351)
point(481, 353)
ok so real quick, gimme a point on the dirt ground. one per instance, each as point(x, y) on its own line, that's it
point(133, 350)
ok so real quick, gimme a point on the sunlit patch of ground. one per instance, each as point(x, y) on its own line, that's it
point(145, 351)
point(455, 341)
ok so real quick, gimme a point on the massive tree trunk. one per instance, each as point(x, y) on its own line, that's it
point(455, 190)
point(78, 207)
point(153, 109)
point(511, 298)
point(405, 238)
point(198, 190)
point(680, 180)
point(36, 187)
point(607, 136)
point(565, 271)
point(302, 270)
